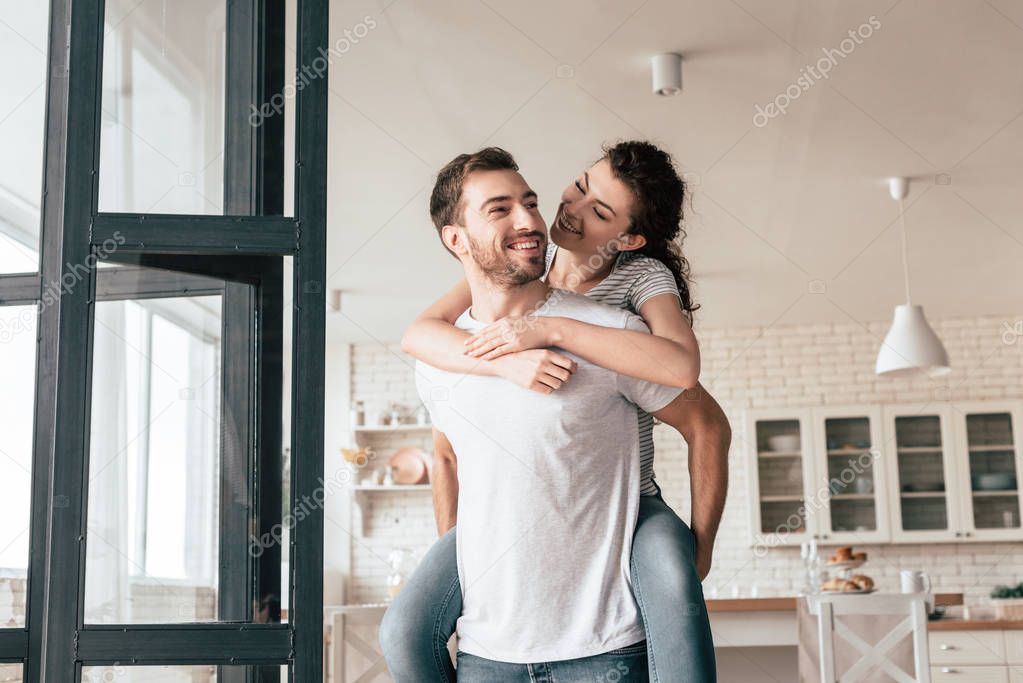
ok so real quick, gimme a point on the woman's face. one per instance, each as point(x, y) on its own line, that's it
point(594, 213)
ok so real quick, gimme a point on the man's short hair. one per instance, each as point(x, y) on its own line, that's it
point(446, 204)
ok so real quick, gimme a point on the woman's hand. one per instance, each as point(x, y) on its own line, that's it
point(510, 334)
point(539, 370)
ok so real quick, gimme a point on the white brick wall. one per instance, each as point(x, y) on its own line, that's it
point(797, 366)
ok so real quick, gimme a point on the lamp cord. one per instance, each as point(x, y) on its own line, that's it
point(905, 249)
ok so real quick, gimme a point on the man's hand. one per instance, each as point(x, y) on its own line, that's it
point(540, 370)
point(704, 558)
point(510, 334)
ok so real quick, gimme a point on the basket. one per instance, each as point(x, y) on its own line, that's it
point(1008, 609)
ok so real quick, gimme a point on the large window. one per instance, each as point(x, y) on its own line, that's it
point(143, 342)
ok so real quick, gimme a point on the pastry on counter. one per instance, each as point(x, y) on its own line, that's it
point(862, 581)
point(843, 554)
point(839, 586)
point(846, 554)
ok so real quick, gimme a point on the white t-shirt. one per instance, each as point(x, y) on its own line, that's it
point(547, 500)
point(634, 279)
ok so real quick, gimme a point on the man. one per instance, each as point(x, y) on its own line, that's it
point(547, 485)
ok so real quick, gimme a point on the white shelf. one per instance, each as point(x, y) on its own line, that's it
point(923, 494)
point(780, 454)
point(853, 496)
point(1004, 493)
point(391, 429)
point(848, 451)
point(359, 500)
point(373, 488)
point(920, 449)
point(780, 499)
point(987, 449)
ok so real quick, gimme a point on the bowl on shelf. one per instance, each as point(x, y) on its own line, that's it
point(993, 481)
point(783, 442)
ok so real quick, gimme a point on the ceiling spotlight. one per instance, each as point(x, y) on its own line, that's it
point(667, 74)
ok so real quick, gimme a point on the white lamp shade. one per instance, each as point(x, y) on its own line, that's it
point(911, 346)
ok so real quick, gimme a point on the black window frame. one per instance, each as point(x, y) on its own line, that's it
point(246, 248)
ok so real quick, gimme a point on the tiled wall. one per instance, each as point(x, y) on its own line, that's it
point(781, 366)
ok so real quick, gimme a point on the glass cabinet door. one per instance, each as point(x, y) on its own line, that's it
point(992, 453)
point(846, 453)
point(920, 476)
point(851, 480)
point(780, 499)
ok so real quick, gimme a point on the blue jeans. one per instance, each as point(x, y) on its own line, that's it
point(415, 629)
point(625, 665)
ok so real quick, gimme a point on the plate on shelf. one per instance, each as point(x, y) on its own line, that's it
point(855, 592)
point(410, 465)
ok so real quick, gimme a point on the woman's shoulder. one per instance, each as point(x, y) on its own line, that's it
point(632, 263)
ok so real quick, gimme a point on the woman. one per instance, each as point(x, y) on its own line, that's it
point(613, 239)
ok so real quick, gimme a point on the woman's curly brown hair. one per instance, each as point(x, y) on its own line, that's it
point(650, 173)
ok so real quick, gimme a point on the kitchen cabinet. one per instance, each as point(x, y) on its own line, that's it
point(849, 467)
point(907, 473)
point(922, 470)
point(816, 473)
point(988, 433)
point(780, 476)
point(955, 471)
point(974, 656)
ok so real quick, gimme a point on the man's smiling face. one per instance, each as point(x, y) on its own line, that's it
point(505, 235)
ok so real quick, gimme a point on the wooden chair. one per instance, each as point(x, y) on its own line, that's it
point(829, 608)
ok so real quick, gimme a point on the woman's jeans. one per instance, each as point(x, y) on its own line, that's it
point(416, 628)
point(624, 665)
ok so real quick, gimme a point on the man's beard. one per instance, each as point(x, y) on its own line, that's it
point(501, 269)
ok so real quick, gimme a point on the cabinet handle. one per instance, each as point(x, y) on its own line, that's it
point(825, 536)
point(968, 534)
point(949, 670)
point(959, 534)
point(946, 646)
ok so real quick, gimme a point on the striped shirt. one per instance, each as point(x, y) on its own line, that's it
point(633, 280)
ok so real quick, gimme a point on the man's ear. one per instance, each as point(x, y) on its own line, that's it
point(630, 242)
point(454, 239)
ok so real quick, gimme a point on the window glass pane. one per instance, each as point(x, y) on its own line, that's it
point(162, 137)
point(17, 396)
point(154, 477)
point(202, 673)
point(23, 38)
point(183, 524)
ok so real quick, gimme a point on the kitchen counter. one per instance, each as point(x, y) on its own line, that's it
point(788, 603)
point(975, 625)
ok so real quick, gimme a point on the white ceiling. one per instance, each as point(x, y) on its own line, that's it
point(789, 223)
